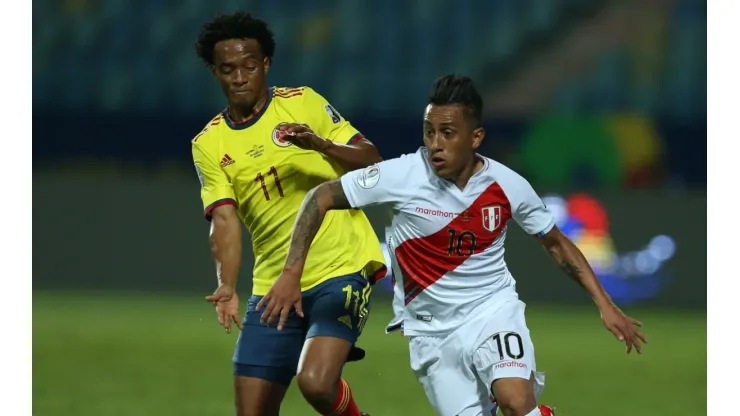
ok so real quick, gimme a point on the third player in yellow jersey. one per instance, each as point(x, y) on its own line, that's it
point(256, 161)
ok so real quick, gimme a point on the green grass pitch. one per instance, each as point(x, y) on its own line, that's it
point(111, 355)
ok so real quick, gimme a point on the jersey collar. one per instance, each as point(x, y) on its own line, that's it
point(250, 121)
point(446, 183)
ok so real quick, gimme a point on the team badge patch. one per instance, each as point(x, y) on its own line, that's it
point(369, 177)
point(333, 113)
point(491, 217)
point(278, 138)
point(200, 176)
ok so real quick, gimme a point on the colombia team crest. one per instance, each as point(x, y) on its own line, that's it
point(491, 217)
point(278, 138)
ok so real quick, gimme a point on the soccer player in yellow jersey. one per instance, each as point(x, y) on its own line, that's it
point(256, 161)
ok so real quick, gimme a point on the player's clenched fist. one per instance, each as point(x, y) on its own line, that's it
point(227, 306)
point(284, 295)
point(302, 136)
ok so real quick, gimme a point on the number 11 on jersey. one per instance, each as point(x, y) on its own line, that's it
point(261, 179)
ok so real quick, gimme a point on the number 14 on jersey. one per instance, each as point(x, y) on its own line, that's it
point(261, 180)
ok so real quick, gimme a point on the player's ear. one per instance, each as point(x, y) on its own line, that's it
point(213, 70)
point(478, 135)
point(266, 64)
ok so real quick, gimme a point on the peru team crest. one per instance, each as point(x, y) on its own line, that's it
point(278, 138)
point(491, 217)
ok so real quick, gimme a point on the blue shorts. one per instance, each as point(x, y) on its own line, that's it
point(338, 308)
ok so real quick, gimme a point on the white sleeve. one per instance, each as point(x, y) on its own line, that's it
point(527, 208)
point(383, 183)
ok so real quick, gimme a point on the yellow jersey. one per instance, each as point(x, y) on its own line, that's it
point(249, 165)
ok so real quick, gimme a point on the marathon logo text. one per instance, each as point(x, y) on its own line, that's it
point(509, 364)
point(436, 212)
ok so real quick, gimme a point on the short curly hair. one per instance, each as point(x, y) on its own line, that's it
point(237, 25)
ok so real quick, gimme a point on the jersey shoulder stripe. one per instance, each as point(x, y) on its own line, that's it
point(215, 121)
point(288, 92)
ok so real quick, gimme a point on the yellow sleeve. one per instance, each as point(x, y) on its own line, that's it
point(326, 120)
point(215, 187)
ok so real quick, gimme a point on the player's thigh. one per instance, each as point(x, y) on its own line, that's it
point(267, 356)
point(257, 397)
point(337, 311)
point(451, 386)
point(338, 308)
point(504, 358)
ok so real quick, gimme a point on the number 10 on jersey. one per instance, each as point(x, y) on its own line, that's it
point(261, 180)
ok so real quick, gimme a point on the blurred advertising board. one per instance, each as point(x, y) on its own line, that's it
point(138, 231)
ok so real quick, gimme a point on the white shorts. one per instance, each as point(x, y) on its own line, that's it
point(457, 370)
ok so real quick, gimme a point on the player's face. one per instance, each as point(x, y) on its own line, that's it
point(240, 68)
point(450, 139)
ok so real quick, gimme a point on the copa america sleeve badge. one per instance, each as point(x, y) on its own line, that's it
point(369, 177)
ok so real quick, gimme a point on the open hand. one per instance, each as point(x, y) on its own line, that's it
point(624, 328)
point(302, 136)
point(284, 295)
point(227, 306)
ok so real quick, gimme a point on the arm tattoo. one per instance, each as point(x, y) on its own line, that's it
point(574, 264)
point(571, 268)
point(306, 226)
point(338, 197)
point(329, 195)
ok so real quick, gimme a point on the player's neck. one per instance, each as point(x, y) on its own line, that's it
point(240, 114)
point(468, 171)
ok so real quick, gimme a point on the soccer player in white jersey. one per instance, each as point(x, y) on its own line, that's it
point(468, 338)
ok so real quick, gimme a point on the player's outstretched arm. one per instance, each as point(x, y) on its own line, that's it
point(285, 294)
point(384, 183)
point(356, 154)
point(219, 203)
point(226, 244)
point(353, 156)
point(327, 196)
point(226, 250)
point(572, 261)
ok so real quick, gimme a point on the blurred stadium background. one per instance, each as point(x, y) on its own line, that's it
point(601, 104)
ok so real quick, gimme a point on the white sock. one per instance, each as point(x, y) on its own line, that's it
point(535, 412)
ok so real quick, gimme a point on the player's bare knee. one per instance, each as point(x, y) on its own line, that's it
point(514, 396)
point(255, 397)
point(254, 408)
point(316, 386)
point(516, 406)
point(242, 411)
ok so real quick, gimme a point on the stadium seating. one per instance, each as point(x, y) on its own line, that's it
point(141, 58)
